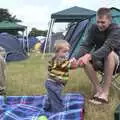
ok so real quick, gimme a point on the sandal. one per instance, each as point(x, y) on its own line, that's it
point(98, 101)
point(101, 100)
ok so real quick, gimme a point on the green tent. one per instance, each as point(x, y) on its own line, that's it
point(82, 35)
point(11, 27)
point(73, 14)
point(82, 19)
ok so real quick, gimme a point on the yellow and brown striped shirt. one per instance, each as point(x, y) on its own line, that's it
point(58, 70)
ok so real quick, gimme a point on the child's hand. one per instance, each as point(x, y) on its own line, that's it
point(72, 60)
point(74, 63)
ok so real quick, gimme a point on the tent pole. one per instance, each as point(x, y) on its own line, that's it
point(50, 35)
point(28, 50)
point(23, 40)
point(46, 40)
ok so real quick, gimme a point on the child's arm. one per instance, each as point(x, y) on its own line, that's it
point(70, 64)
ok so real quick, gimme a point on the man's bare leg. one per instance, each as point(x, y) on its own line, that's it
point(91, 73)
point(109, 67)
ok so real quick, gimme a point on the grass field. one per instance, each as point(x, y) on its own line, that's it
point(27, 78)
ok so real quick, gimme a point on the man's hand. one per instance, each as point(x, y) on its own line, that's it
point(84, 59)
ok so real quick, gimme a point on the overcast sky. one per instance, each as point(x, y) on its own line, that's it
point(36, 13)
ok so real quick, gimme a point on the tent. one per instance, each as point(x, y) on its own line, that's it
point(54, 37)
point(13, 28)
point(14, 51)
point(74, 14)
point(80, 31)
point(32, 41)
point(82, 19)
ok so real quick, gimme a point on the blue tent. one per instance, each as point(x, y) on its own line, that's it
point(12, 46)
point(54, 37)
point(32, 41)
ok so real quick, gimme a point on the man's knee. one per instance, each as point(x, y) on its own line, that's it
point(111, 55)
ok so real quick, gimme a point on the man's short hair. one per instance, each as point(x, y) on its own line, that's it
point(104, 12)
point(60, 44)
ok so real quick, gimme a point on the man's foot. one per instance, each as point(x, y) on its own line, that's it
point(97, 92)
point(102, 96)
point(99, 98)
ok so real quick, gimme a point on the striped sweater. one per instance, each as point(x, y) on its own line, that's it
point(58, 70)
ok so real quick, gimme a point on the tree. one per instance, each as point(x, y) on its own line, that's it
point(6, 16)
point(35, 32)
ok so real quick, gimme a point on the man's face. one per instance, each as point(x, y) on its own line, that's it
point(103, 22)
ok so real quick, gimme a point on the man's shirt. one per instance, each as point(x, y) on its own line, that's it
point(101, 43)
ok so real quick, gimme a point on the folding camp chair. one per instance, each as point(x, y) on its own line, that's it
point(115, 80)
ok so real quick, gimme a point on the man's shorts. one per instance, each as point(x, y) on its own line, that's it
point(99, 65)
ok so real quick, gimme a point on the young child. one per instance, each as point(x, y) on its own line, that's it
point(2, 71)
point(58, 75)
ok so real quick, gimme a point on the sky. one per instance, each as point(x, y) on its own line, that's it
point(36, 13)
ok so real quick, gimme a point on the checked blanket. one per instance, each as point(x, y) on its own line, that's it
point(31, 107)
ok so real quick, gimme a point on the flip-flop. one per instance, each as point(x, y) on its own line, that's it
point(98, 101)
point(101, 100)
point(95, 102)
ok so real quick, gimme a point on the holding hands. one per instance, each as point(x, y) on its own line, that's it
point(84, 59)
point(74, 63)
point(81, 61)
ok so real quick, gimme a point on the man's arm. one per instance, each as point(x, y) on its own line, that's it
point(112, 43)
point(88, 44)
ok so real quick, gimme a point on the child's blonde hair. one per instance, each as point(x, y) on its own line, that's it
point(60, 44)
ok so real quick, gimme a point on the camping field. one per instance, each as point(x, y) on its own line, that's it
point(27, 78)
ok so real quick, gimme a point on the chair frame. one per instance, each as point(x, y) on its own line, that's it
point(115, 81)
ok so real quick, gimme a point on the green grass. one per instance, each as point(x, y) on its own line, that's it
point(27, 78)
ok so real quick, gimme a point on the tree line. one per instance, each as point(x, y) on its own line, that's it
point(6, 16)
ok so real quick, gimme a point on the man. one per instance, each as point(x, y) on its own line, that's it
point(104, 37)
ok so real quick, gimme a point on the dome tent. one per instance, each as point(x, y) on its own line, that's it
point(13, 28)
point(12, 47)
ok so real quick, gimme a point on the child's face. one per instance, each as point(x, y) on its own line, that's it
point(62, 52)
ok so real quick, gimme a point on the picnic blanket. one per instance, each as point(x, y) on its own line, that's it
point(31, 107)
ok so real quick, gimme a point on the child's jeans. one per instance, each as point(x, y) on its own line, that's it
point(53, 102)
